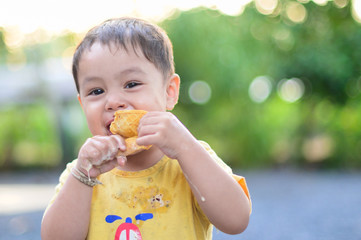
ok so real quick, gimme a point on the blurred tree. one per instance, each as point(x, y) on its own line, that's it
point(33, 129)
point(325, 51)
point(229, 52)
point(3, 49)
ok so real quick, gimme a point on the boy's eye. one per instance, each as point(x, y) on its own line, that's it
point(132, 84)
point(96, 91)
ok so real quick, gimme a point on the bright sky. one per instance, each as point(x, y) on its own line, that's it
point(20, 17)
point(80, 15)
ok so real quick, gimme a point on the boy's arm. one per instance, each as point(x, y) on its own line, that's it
point(218, 194)
point(68, 217)
point(69, 214)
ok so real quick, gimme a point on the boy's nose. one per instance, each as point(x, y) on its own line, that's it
point(115, 102)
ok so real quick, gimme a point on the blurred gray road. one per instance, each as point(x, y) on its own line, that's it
point(287, 204)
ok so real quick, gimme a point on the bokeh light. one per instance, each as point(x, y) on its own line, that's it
point(356, 10)
point(318, 148)
point(266, 6)
point(340, 3)
point(296, 12)
point(260, 89)
point(321, 2)
point(284, 39)
point(200, 92)
point(291, 90)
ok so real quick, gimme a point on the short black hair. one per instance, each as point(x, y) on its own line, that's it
point(130, 32)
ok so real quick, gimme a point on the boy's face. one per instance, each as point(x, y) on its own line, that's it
point(111, 79)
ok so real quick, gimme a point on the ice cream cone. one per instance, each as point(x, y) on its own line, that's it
point(126, 124)
point(132, 147)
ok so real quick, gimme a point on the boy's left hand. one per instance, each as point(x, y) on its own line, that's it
point(164, 130)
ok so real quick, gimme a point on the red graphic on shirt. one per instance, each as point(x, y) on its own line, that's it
point(128, 230)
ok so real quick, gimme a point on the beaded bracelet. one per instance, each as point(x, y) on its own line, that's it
point(83, 178)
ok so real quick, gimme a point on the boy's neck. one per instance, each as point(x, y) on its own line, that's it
point(142, 160)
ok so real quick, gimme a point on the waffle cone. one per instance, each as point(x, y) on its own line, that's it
point(126, 124)
point(132, 147)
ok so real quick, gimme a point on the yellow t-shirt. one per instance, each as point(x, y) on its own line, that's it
point(155, 203)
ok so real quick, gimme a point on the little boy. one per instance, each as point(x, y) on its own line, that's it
point(177, 189)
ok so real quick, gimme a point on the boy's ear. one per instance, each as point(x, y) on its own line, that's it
point(79, 99)
point(173, 91)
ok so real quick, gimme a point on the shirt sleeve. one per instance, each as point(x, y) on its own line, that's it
point(239, 179)
point(63, 177)
point(215, 157)
point(242, 182)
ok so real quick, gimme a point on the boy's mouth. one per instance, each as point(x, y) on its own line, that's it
point(108, 130)
point(108, 127)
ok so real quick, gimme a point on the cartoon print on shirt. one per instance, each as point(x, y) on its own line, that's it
point(128, 230)
point(143, 199)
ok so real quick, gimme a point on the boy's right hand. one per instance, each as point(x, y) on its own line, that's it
point(99, 154)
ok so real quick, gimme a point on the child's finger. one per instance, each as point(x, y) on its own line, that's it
point(119, 141)
point(101, 149)
point(106, 166)
point(121, 160)
point(148, 139)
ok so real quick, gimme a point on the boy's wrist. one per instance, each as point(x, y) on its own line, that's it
point(84, 166)
point(83, 178)
point(190, 148)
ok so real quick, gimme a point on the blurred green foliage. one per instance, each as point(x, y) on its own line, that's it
point(228, 52)
point(28, 137)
